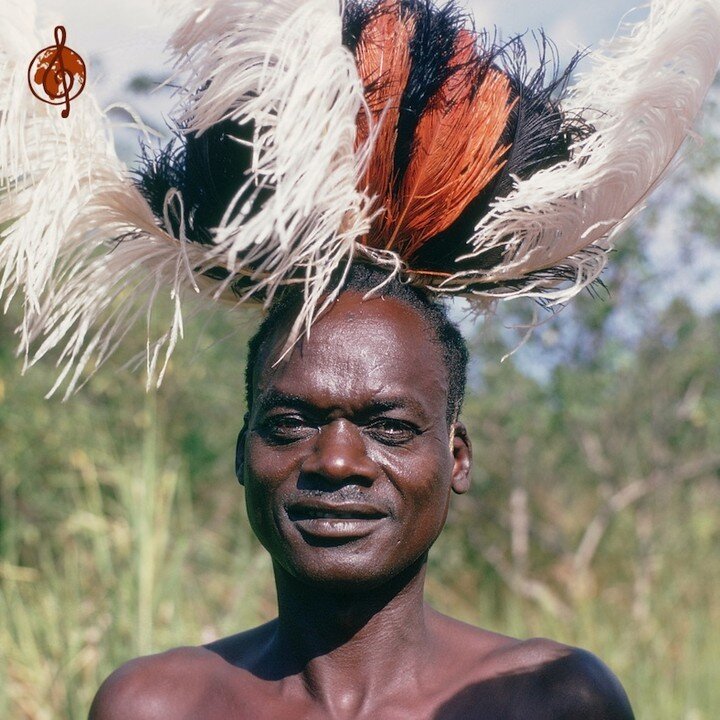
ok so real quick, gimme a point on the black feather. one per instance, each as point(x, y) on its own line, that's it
point(208, 170)
point(551, 276)
point(356, 16)
point(539, 133)
point(432, 47)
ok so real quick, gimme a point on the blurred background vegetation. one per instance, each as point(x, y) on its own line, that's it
point(594, 517)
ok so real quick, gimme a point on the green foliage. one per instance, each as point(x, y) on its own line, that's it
point(122, 528)
point(594, 517)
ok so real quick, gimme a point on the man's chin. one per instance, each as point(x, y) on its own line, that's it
point(346, 583)
point(350, 572)
point(345, 570)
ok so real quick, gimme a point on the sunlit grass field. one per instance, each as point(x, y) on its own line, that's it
point(123, 533)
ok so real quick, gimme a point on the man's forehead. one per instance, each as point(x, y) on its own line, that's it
point(377, 347)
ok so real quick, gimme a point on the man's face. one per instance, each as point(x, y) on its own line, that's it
point(347, 459)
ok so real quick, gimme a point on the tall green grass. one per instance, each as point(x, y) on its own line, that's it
point(126, 568)
point(122, 532)
point(123, 571)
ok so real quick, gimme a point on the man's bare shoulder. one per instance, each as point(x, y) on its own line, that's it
point(500, 676)
point(545, 680)
point(241, 650)
point(183, 682)
point(574, 682)
point(173, 684)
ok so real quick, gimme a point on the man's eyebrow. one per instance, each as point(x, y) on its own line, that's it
point(277, 398)
point(274, 398)
point(393, 404)
point(410, 405)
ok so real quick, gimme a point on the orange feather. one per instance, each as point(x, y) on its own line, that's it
point(456, 150)
point(383, 60)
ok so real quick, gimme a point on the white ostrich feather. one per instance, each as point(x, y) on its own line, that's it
point(642, 94)
point(282, 66)
point(47, 163)
point(60, 182)
point(82, 243)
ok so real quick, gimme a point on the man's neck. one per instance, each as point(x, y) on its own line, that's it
point(348, 646)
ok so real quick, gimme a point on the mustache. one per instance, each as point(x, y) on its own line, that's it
point(346, 494)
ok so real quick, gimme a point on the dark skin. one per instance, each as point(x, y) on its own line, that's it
point(349, 463)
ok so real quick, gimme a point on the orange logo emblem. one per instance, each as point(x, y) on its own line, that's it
point(57, 74)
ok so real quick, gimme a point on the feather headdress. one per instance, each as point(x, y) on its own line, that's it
point(310, 134)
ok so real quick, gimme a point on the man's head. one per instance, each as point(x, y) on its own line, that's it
point(351, 446)
point(364, 279)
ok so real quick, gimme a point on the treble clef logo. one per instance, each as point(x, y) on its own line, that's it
point(57, 74)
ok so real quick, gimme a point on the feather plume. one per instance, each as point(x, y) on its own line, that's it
point(383, 60)
point(420, 145)
point(259, 69)
point(466, 120)
point(457, 149)
point(59, 181)
point(48, 167)
point(539, 135)
point(641, 95)
point(79, 236)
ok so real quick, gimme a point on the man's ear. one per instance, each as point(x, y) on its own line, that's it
point(240, 451)
point(462, 455)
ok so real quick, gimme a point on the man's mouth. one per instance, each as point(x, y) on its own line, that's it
point(307, 512)
point(342, 520)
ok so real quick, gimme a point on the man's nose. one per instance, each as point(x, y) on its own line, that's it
point(339, 455)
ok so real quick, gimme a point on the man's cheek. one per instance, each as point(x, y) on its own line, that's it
point(259, 504)
point(269, 466)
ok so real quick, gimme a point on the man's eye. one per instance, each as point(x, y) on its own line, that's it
point(286, 428)
point(392, 432)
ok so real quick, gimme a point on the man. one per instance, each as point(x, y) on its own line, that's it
point(349, 453)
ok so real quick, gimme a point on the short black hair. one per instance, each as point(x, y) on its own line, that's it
point(363, 278)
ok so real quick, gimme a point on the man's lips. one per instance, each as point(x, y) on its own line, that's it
point(310, 509)
point(335, 520)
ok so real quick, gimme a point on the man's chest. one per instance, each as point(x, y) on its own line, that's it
point(509, 698)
